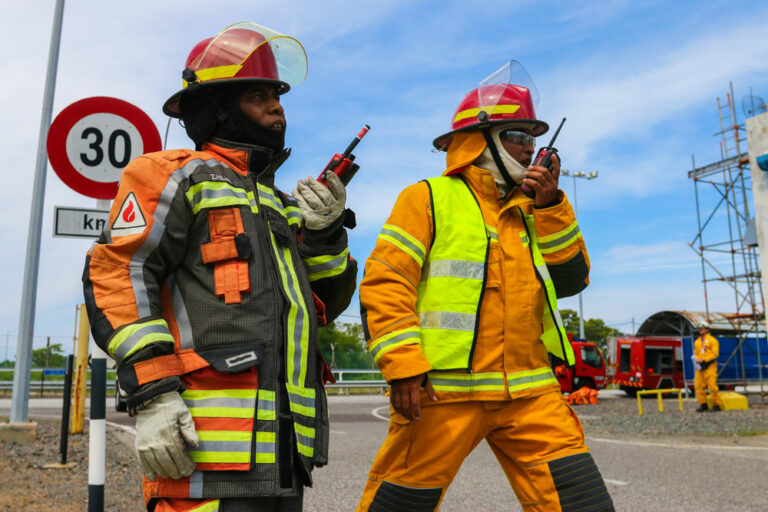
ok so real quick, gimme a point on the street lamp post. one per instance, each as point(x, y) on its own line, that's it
point(590, 176)
point(7, 340)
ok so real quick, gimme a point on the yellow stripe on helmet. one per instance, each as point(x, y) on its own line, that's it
point(498, 109)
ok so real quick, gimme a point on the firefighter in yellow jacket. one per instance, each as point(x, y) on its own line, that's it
point(459, 306)
point(208, 287)
point(706, 349)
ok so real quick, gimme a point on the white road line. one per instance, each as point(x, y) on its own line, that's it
point(615, 482)
point(380, 416)
point(338, 432)
point(676, 445)
point(128, 429)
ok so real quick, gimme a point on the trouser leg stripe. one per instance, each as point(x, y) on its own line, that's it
point(579, 485)
point(397, 498)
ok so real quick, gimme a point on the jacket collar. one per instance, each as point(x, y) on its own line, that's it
point(248, 159)
point(484, 186)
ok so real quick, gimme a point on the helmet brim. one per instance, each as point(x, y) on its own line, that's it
point(171, 107)
point(534, 125)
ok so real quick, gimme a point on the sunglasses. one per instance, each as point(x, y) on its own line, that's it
point(518, 137)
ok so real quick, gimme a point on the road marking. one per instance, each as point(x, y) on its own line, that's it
point(337, 432)
point(380, 416)
point(128, 429)
point(676, 445)
point(614, 482)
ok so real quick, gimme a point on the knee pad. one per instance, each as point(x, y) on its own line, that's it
point(579, 484)
point(397, 498)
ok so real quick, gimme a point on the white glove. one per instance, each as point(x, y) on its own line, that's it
point(160, 427)
point(320, 205)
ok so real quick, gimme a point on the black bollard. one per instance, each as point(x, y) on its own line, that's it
point(65, 410)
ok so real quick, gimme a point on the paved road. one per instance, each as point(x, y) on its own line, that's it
point(668, 474)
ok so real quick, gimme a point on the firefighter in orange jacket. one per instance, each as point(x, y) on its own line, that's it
point(209, 285)
point(706, 349)
point(459, 306)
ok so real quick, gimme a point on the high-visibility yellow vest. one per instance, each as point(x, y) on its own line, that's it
point(453, 278)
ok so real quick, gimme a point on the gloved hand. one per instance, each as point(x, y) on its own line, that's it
point(162, 427)
point(320, 205)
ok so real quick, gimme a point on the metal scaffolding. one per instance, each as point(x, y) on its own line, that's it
point(726, 240)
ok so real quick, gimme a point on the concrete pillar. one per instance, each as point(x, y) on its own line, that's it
point(757, 139)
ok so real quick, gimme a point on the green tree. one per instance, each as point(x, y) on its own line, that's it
point(595, 329)
point(55, 359)
point(342, 345)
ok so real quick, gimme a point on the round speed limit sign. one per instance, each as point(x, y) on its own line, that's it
point(92, 140)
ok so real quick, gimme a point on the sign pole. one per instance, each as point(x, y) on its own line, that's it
point(21, 377)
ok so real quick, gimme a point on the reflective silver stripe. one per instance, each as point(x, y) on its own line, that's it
point(394, 340)
point(238, 403)
point(196, 484)
point(454, 268)
point(524, 239)
point(267, 409)
point(180, 313)
point(463, 383)
point(269, 198)
point(328, 265)
point(157, 231)
point(128, 343)
point(306, 441)
point(447, 320)
point(223, 446)
point(207, 193)
point(265, 447)
point(302, 400)
point(403, 240)
point(293, 214)
point(560, 240)
point(517, 380)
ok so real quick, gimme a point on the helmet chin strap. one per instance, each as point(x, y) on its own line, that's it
point(497, 159)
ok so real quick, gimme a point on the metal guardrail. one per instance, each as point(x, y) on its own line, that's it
point(344, 381)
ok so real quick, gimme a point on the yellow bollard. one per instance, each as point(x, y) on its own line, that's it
point(79, 382)
point(658, 393)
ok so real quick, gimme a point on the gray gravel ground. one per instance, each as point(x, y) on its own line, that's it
point(658, 461)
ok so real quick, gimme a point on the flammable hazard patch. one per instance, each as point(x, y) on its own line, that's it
point(130, 220)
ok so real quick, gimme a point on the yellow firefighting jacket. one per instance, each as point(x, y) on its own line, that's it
point(507, 347)
point(206, 283)
point(706, 348)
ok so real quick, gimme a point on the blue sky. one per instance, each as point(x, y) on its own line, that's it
point(638, 82)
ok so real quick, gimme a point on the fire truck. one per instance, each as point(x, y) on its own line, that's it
point(589, 370)
point(648, 362)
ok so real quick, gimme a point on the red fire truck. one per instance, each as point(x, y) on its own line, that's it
point(645, 362)
point(589, 370)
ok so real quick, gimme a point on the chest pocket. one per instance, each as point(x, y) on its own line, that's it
point(228, 251)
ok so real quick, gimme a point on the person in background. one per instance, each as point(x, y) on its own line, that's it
point(706, 350)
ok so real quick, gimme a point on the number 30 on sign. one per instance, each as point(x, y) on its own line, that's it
point(92, 140)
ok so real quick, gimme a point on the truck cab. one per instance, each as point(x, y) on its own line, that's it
point(588, 370)
point(646, 362)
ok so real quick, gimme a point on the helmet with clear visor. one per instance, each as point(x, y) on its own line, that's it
point(506, 97)
point(242, 52)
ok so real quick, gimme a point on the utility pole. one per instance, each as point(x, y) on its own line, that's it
point(579, 174)
point(21, 377)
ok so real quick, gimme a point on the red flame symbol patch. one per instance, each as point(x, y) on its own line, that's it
point(128, 213)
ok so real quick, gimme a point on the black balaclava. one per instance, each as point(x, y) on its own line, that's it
point(214, 112)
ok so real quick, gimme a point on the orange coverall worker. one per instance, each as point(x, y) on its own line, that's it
point(207, 284)
point(508, 394)
point(707, 348)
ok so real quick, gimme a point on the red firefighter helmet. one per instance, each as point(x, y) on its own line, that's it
point(242, 52)
point(511, 104)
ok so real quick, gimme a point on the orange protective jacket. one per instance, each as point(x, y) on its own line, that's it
point(206, 283)
point(508, 337)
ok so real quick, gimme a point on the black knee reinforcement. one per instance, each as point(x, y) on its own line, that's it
point(579, 484)
point(396, 498)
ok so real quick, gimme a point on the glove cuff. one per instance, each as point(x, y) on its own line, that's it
point(144, 395)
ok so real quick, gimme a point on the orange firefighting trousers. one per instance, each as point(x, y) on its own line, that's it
point(704, 380)
point(538, 441)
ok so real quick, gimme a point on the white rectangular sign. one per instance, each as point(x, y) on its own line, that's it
point(79, 222)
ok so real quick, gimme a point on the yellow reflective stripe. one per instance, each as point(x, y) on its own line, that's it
point(493, 234)
point(301, 400)
point(223, 435)
point(467, 382)
point(404, 241)
point(498, 109)
point(221, 457)
point(220, 403)
point(216, 72)
point(531, 379)
point(559, 240)
point(220, 412)
point(266, 409)
point(134, 337)
point(211, 506)
point(215, 194)
point(265, 447)
point(321, 267)
point(196, 394)
point(294, 215)
point(267, 197)
point(524, 239)
point(394, 339)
